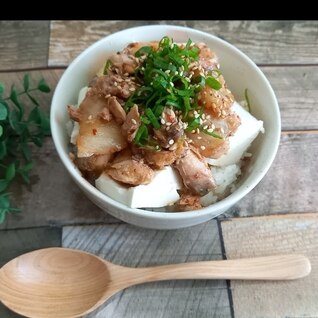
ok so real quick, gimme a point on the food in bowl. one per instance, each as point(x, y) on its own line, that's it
point(158, 127)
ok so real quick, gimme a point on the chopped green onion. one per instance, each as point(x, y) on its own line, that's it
point(213, 83)
point(143, 50)
point(247, 100)
point(165, 81)
point(141, 135)
point(212, 134)
point(152, 118)
point(108, 64)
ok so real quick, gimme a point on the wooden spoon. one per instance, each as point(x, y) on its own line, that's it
point(60, 282)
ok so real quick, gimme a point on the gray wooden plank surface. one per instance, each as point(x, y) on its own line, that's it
point(274, 235)
point(131, 246)
point(297, 95)
point(19, 241)
point(291, 185)
point(296, 89)
point(24, 44)
point(53, 198)
point(266, 42)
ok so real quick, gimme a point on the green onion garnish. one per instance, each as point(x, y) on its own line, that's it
point(165, 80)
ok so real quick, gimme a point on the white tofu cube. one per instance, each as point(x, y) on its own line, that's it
point(160, 192)
point(242, 139)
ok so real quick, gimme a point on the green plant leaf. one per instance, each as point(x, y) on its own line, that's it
point(33, 100)
point(44, 121)
point(26, 151)
point(14, 120)
point(3, 184)
point(4, 201)
point(3, 149)
point(26, 82)
point(14, 98)
point(43, 86)
point(1, 88)
point(10, 172)
point(18, 128)
point(2, 215)
point(38, 140)
point(3, 111)
point(34, 115)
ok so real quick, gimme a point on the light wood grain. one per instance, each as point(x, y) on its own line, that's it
point(266, 42)
point(72, 283)
point(24, 44)
point(19, 241)
point(251, 237)
point(131, 246)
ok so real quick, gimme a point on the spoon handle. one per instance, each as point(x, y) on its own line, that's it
point(280, 267)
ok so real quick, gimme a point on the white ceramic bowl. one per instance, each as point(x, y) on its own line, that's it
point(239, 72)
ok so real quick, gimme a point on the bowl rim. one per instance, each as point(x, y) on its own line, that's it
point(228, 201)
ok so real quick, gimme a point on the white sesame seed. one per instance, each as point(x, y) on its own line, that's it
point(90, 117)
point(115, 83)
point(162, 121)
point(202, 147)
point(107, 96)
point(213, 126)
point(190, 141)
point(132, 89)
point(196, 115)
point(171, 142)
point(168, 123)
point(199, 137)
point(167, 71)
point(133, 121)
point(126, 74)
point(210, 130)
point(176, 73)
point(205, 127)
point(193, 131)
point(198, 130)
point(181, 73)
point(208, 117)
point(171, 83)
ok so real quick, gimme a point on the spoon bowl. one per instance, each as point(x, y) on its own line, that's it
point(60, 282)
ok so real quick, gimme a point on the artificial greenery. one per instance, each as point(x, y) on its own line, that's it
point(20, 125)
